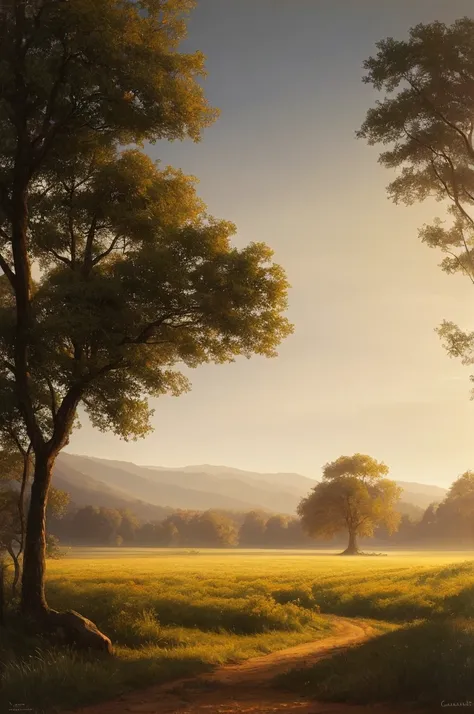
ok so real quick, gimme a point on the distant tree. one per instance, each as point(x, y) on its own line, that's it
point(407, 530)
point(425, 119)
point(462, 491)
point(429, 523)
point(15, 468)
point(208, 529)
point(10, 532)
point(58, 502)
point(215, 530)
point(297, 537)
point(178, 528)
point(252, 530)
point(97, 525)
point(353, 496)
point(129, 526)
point(11, 523)
point(151, 533)
point(146, 534)
point(455, 515)
point(170, 535)
point(276, 531)
point(134, 277)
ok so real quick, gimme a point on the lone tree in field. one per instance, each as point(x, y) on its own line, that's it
point(133, 277)
point(353, 497)
point(426, 120)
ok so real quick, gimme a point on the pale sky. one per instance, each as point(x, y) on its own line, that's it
point(364, 370)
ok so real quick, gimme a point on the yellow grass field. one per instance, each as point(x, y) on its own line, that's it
point(171, 613)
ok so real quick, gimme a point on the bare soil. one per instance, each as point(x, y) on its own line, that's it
point(246, 688)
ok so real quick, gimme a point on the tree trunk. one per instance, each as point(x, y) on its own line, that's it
point(21, 500)
point(21, 512)
point(352, 548)
point(2, 593)
point(16, 569)
point(16, 574)
point(33, 600)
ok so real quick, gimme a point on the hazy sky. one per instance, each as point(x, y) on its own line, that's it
point(364, 370)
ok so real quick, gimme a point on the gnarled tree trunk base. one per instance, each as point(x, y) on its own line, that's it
point(72, 629)
point(351, 551)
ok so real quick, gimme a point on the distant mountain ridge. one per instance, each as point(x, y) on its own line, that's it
point(151, 491)
point(421, 494)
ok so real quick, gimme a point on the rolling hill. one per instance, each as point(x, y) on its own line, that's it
point(421, 494)
point(152, 491)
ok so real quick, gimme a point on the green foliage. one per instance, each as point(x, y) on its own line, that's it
point(53, 549)
point(10, 526)
point(58, 502)
point(361, 466)
point(455, 515)
point(100, 67)
point(462, 490)
point(425, 118)
point(137, 279)
point(209, 529)
point(252, 530)
point(352, 496)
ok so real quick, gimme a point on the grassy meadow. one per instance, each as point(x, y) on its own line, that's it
point(171, 614)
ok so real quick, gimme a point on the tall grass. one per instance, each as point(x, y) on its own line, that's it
point(182, 615)
point(424, 663)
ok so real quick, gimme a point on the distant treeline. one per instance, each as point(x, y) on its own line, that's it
point(92, 525)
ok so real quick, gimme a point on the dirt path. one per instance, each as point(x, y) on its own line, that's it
point(246, 688)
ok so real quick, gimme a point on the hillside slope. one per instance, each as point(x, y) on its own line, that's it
point(154, 490)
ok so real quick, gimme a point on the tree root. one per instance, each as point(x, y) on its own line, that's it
point(360, 552)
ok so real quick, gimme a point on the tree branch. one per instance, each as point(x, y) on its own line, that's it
point(62, 258)
point(54, 406)
point(8, 271)
point(440, 115)
point(107, 252)
point(461, 266)
point(452, 193)
point(88, 261)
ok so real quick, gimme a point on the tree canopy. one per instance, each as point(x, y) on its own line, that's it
point(354, 497)
point(138, 278)
point(425, 120)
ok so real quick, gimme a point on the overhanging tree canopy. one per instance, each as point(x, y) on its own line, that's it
point(426, 121)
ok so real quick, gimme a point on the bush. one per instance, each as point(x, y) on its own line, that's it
point(302, 596)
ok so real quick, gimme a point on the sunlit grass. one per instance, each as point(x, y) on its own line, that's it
point(174, 614)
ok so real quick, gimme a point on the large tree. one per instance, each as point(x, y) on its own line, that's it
point(455, 515)
point(132, 278)
point(354, 497)
point(425, 118)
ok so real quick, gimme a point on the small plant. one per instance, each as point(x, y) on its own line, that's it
point(53, 549)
